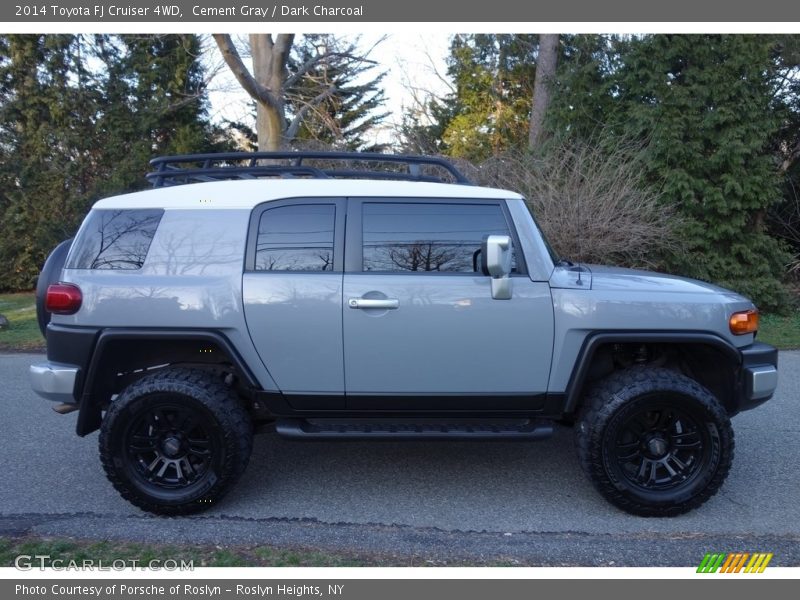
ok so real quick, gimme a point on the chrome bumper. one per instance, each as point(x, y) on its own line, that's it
point(758, 376)
point(761, 382)
point(54, 381)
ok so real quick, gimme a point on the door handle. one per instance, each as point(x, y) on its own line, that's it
point(388, 304)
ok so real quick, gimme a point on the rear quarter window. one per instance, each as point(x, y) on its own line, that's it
point(115, 239)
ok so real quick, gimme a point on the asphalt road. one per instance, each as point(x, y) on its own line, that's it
point(526, 503)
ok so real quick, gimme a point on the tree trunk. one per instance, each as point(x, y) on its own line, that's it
point(268, 128)
point(545, 73)
point(268, 118)
point(269, 70)
point(266, 83)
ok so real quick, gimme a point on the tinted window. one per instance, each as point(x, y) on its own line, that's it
point(296, 238)
point(115, 239)
point(427, 237)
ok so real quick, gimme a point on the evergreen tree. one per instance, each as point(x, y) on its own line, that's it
point(422, 129)
point(586, 90)
point(784, 218)
point(47, 155)
point(489, 112)
point(71, 133)
point(154, 104)
point(350, 113)
point(706, 107)
point(714, 116)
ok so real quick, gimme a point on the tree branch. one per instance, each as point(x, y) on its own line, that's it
point(315, 60)
point(291, 132)
point(790, 160)
point(256, 91)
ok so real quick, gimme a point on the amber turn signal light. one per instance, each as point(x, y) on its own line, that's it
point(743, 322)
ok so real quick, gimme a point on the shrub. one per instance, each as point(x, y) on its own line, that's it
point(591, 201)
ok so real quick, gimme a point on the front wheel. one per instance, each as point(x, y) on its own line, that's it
point(654, 442)
point(174, 442)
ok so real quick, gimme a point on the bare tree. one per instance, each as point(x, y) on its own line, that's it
point(265, 85)
point(545, 73)
point(420, 255)
point(591, 200)
point(271, 81)
point(122, 240)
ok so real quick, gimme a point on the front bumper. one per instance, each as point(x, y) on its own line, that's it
point(54, 381)
point(759, 375)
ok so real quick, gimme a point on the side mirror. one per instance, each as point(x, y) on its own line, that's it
point(496, 262)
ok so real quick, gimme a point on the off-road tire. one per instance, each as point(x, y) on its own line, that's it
point(212, 413)
point(609, 415)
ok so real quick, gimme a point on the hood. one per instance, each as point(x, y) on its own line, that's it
point(605, 278)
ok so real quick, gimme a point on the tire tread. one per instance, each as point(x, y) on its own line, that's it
point(608, 396)
point(234, 421)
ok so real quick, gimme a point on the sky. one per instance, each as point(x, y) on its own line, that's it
point(414, 62)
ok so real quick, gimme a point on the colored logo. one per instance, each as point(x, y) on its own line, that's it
point(735, 562)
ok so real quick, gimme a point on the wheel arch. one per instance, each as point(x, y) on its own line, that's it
point(122, 356)
point(699, 347)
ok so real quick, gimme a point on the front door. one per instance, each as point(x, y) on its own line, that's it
point(421, 330)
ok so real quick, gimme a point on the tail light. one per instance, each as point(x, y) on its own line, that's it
point(742, 322)
point(63, 298)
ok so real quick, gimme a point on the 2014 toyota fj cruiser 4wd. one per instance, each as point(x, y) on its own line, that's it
point(374, 300)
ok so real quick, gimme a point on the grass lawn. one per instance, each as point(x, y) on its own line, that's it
point(67, 549)
point(23, 333)
point(781, 332)
point(20, 310)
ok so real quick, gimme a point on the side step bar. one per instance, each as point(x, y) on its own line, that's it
point(410, 429)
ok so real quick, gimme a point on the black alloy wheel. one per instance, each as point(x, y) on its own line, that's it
point(654, 442)
point(175, 441)
point(659, 447)
point(170, 445)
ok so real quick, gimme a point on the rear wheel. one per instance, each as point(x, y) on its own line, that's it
point(175, 442)
point(654, 442)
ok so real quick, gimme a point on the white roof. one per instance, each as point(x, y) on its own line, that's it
point(247, 193)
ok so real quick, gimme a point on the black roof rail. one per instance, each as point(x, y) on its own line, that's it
point(193, 168)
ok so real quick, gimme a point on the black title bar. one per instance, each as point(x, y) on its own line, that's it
point(443, 11)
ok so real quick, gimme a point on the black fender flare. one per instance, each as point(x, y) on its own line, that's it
point(593, 341)
point(90, 413)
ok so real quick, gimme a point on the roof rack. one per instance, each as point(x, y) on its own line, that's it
point(193, 168)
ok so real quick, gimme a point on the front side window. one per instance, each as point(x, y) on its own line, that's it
point(427, 236)
point(296, 238)
point(115, 239)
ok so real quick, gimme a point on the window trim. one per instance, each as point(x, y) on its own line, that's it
point(338, 233)
point(353, 260)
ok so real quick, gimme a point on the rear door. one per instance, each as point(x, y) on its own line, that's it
point(293, 297)
point(421, 330)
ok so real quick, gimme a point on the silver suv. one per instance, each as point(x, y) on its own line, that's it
point(370, 296)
